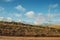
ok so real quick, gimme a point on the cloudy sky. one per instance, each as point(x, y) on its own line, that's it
point(30, 11)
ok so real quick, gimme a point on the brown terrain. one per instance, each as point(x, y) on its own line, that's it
point(26, 30)
point(28, 38)
point(14, 30)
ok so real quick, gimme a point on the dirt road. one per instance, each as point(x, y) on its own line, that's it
point(28, 38)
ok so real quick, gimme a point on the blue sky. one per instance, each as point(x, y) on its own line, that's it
point(30, 11)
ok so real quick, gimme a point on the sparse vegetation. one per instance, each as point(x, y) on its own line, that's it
point(20, 29)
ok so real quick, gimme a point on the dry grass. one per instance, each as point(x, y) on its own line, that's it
point(28, 38)
point(26, 30)
point(55, 26)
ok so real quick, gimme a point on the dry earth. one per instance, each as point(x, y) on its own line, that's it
point(28, 38)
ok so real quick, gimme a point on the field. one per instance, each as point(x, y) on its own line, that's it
point(28, 38)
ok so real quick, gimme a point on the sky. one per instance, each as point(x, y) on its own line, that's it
point(30, 11)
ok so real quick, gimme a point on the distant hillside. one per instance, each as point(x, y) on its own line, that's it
point(55, 26)
point(21, 29)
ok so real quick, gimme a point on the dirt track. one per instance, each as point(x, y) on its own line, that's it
point(29, 38)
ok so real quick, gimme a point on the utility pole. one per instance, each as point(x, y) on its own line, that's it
point(49, 16)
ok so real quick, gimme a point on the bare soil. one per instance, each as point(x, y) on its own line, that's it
point(28, 38)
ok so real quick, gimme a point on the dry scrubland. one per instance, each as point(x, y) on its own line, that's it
point(26, 30)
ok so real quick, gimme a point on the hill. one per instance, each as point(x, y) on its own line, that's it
point(27, 30)
point(55, 26)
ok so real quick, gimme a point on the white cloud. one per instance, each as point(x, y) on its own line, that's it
point(53, 15)
point(56, 15)
point(53, 5)
point(18, 20)
point(1, 9)
point(30, 14)
point(9, 19)
point(40, 19)
point(18, 15)
point(1, 18)
point(20, 8)
point(50, 15)
point(7, 0)
point(56, 21)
